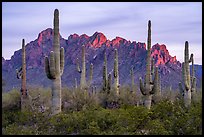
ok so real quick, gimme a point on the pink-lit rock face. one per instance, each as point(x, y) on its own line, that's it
point(98, 39)
point(117, 40)
point(129, 54)
point(161, 55)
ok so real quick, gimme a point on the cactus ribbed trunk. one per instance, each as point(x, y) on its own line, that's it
point(150, 87)
point(148, 60)
point(187, 78)
point(83, 73)
point(23, 87)
point(54, 67)
point(189, 82)
point(148, 101)
point(116, 75)
point(24, 95)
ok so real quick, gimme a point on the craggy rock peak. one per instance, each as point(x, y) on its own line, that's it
point(129, 54)
point(98, 39)
point(161, 55)
point(45, 35)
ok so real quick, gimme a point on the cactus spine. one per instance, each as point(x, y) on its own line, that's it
point(105, 77)
point(116, 74)
point(21, 74)
point(54, 67)
point(188, 86)
point(149, 87)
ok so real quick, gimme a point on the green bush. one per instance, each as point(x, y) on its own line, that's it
point(86, 115)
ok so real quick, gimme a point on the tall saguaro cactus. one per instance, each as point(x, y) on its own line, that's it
point(83, 84)
point(83, 70)
point(116, 74)
point(105, 75)
point(54, 67)
point(188, 86)
point(21, 74)
point(149, 87)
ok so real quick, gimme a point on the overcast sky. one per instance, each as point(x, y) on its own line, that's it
point(172, 23)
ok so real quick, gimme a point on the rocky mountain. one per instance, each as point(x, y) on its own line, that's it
point(129, 54)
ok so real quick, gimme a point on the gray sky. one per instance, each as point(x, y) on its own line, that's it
point(172, 23)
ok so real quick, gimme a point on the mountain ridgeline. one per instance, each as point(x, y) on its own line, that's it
point(130, 54)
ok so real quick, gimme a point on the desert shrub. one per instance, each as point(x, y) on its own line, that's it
point(11, 100)
point(77, 100)
point(87, 115)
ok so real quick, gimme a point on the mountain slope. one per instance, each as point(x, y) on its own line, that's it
point(130, 54)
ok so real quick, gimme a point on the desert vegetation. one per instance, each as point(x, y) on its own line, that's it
point(111, 109)
point(100, 114)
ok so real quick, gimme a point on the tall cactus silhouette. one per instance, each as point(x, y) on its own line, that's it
point(189, 83)
point(21, 74)
point(105, 76)
point(116, 73)
point(54, 67)
point(149, 87)
point(83, 70)
point(83, 84)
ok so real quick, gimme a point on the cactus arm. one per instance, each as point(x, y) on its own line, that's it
point(142, 88)
point(61, 60)
point(193, 86)
point(156, 82)
point(47, 68)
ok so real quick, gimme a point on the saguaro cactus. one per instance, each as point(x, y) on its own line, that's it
point(116, 73)
point(149, 87)
point(54, 67)
point(83, 70)
point(21, 74)
point(189, 86)
point(156, 87)
point(83, 84)
point(105, 76)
